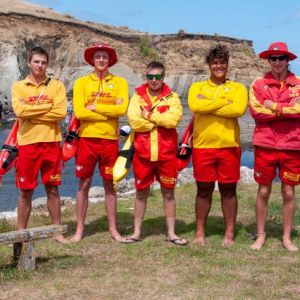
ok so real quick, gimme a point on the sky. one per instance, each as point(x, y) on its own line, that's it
point(261, 21)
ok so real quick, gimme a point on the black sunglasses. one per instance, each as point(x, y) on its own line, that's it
point(280, 58)
point(156, 76)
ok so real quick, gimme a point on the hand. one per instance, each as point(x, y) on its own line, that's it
point(268, 104)
point(144, 113)
point(200, 96)
point(119, 101)
point(91, 107)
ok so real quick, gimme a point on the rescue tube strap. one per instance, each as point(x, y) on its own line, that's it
point(128, 154)
point(184, 151)
point(71, 135)
point(13, 152)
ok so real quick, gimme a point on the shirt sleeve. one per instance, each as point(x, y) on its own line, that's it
point(257, 109)
point(238, 106)
point(136, 121)
point(171, 117)
point(59, 109)
point(23, 110)
point(116, 110)
point(80, 111)
point(203, 106)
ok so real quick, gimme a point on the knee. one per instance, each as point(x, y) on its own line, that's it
point(85, 184)
point(205, 190)
point(288, 195)
point(52, 191)
point(227, 190)
point(264, 193)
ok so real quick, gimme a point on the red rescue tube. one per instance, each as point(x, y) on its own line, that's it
point(9, 150)
point(185, 147)
point(70, 144)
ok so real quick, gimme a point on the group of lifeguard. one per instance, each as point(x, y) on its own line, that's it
point(154, 111)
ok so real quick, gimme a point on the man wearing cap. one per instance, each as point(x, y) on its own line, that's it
point(217, 103)
point(274, 104)
point(99, 99)
point(39, 103)
point(154, 113)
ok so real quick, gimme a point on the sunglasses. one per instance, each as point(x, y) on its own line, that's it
point(280, 58)
point(156, 76)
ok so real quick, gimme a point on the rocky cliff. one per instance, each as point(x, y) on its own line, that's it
point(24, 25)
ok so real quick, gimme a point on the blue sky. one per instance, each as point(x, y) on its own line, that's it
point(262, 21)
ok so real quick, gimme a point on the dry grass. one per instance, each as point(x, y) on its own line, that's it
point(100, 268)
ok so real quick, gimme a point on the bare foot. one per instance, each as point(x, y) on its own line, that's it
point(121, 239)
point(288, 245)
point(61, 239)
point(200, 240)
point(227, 242)
point(76, 238)
point(260, 240)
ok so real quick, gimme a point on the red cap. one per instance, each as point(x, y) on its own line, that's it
point(278, 48)
point(89, 53)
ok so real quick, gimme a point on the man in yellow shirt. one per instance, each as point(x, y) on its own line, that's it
point(217, 103)
point(39, 104)
point(154, 113)
point(99, 99)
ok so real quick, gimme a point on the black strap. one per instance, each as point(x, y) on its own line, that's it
point(13, 152)
point(184, 154)
point(71, 136)
point(128, 154)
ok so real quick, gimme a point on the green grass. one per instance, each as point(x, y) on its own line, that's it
point(100, 268)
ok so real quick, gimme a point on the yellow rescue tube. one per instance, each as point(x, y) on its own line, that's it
point(123, 162)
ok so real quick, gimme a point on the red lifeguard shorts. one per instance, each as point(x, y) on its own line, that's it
point(32, 158)
point(145, 172)
point(96, 150)
point(267, 161)
point(222, 165)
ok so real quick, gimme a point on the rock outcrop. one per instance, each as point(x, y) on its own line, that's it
point(25, 25)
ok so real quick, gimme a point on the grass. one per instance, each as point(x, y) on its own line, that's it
point(100, 268)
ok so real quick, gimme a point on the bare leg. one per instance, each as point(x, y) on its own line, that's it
point(261, 206)
point(288, 211)
point(170, 212)
point(111, 210)
point(24, 208)
point(53, 203)
point(202, 207)
point(229, 208)
point(139, 212)
point(81, 207)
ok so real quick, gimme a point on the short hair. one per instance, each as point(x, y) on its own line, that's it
point(37, 50)
point(218, 51)
point(156, 65)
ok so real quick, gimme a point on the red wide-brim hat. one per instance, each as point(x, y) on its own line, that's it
point(89, 53)
point(278, 48)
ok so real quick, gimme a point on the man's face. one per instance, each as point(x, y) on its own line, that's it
point(101, 60)
point(38, 65)
point(218, 69)
point(278, 63)
point(155, 79)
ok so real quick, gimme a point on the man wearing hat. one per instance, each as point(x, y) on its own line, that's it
point(99, 99)
point(274, 104)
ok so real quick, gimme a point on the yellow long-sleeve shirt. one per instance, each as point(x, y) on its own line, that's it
point(104, 122)
point(216, 113)
point(39, 108)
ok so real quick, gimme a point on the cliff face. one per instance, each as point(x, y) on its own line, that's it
point(24, 25)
